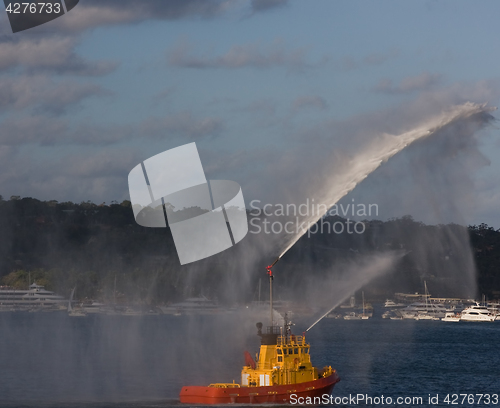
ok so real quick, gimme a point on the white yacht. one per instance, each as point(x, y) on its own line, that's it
point(425, 316)
point(353, 316)
point(421, 309)
point(477, 313)
point(451, 317)
point(391, 303)
point(36, 297)
point(424, 310)
point(94, 307)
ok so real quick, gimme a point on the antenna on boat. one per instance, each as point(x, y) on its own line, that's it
point(270, 273)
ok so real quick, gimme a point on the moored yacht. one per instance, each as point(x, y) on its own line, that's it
point(424, 310)
point(451, 317)
point(390, 303)
point(421, 309)
point(477, 313)
point(36, 297)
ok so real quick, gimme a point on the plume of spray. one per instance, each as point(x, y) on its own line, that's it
point(368, 160)
point(359, 275)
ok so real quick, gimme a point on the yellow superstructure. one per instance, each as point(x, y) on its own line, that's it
point(283, 359)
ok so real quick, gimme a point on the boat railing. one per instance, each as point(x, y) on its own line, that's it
point(224, 385)
point(272, 330)
point(291, 339)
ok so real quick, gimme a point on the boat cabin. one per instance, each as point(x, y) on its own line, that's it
point(283, 359)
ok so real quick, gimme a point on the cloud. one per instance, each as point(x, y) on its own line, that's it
point(316, 153)
point(91, 14)
point(258, 6)
point(162, 95)
point(31, 130)
point(75, 176)
point(182, 124)
point(310, 101)
point(263, 106)
point(350, 63)
point(43, 94)
point(460, 92)
point(260, 113)
point(255, 55)
point(53, 54)
point(42, 130)
point(96, 13)
point(409, 84)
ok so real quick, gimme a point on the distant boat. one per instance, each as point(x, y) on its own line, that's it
point(74, 312)
point(358, 316)
point(477, 313)
point(424, 310)
point(363, 315)
point(94, 307)
point(36, 297)
point(451, 317)
point(353, 316)
point(390, 303)
point(423, 316)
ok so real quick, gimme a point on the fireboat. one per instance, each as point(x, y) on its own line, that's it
point(282, 370)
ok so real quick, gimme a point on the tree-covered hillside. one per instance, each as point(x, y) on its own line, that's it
point(100, 247)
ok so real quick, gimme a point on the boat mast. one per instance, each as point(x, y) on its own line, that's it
point(426, 296)
point(270, 274)
point(363, 295)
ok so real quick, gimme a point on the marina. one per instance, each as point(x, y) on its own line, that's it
point(37, 299)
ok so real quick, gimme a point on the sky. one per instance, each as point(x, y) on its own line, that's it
point(266, 88)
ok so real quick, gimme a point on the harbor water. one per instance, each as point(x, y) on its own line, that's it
point(98, 361)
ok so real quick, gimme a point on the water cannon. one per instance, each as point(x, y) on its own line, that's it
point(275, 262)
point(269, 270)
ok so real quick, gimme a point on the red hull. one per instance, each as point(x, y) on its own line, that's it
point(258, 395)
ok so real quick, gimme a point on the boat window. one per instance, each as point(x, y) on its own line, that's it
point(296, 351)
point(279, 351)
